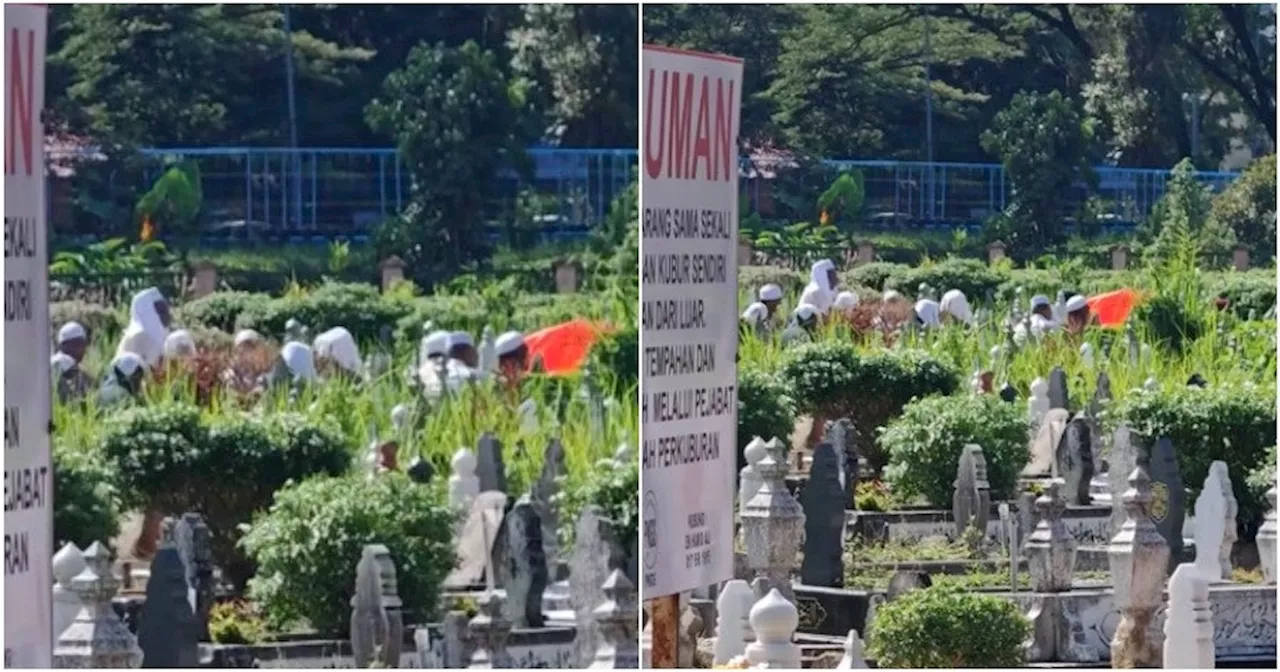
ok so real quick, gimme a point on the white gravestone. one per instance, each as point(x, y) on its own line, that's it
point(852, 659)
point(1210, 520)
point(464, 485)
point(1188, 625)
point(732, 610)
point(67, 563)
point(1219, 470)
point(749, 480)
point(774, 620)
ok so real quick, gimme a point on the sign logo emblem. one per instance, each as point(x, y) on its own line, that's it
point(650, 532)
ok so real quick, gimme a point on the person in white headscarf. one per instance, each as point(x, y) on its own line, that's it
point(770, 297)
point(892, 296)
point(337, 346)
point(513, 356)
point(928, 313)
point(755, 315)
point(148, 327)
point(823, 282)
point(247, 339)
point(179, 344)
point(1079, 315)
point(434, 346)
point(804, 319)
point(299, 360)
point(845, 303)
point(123, 380)
point(73, 341)
point(956, 306)
point(1042, 321)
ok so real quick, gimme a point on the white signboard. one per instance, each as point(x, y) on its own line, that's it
point(28, 475)
point(689, 317)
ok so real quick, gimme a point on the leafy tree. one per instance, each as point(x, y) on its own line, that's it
point(1248, 207)
point(455, 118)
point(173, 202)
point(584, 59)
point(1182, 217)
point(1041, 141)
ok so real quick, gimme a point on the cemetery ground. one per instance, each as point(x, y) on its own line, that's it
point(967, 497)
point(503, 533)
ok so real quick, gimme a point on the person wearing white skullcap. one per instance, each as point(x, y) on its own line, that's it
point(804, 319)
point(69, 381)
point(845, 303)
point(823, 282)
point(246, 338)
point(339, 347)
point(1042, 321)
point(770, 296)
point(73, 341)
point(434, 346)
point(148, 327)
point(179, 344)
point(928, 313)
point(755, 314)
point(1078, 314)
point(513, 355)
point(892, 296)
point(463, 349)
point(123, 380)
point(956, 305)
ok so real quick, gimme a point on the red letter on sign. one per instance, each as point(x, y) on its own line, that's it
point(21, 101)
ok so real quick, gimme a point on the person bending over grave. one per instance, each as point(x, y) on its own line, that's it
point(955, 307)
point(1079, 316)
point(803, 321)
point(247, 340)
point(297, 365)
point(336, 353)
point(434, 348)
point(770, 297)
point(823, 283)
point(179, 345)
point(513, 357)
point(844, 304)
point(148, 328)
point(463, 360)
point(69, 381)
point(123, 380)
point(928, 314)
point(756, 319)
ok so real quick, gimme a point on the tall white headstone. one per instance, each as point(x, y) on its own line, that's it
point(689, 276)
point(1211, 513)
point(732, 610)
point(28, 477)
point(1037, 403)
point(1188, 625)
point(464, 485)
point(1219, 470)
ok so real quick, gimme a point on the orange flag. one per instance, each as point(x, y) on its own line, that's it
point(1113, 308)
point(564, 347)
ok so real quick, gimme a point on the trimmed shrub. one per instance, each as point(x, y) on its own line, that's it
point(307, 544)
point(765, 409)
point(925, 443)
point(613, 488)
point(1252, 292)
point(219, 310)
point(85, 505)
point(1233, 424)
point(102, 322)
point(358, 307)
point(168, 457)
point(970, 276)
point(619, 355)
point(875, 275)
point(1263, 476)
point(946, 627)
point(830, 380)
point(752, 278)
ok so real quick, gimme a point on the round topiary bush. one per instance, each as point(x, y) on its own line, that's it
point(946, 627)
point(307, 544)
point(1235, 424)
point(220, 310)
point(925, 443)
point(765, 409)
point(830, 380)
point(970, 276)
point(85, 507)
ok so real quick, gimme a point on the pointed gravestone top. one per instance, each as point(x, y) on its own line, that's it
point(1210, 524)
point(490, 467)
point(67, 562)
point(400, 418)
point(732, 608)
point(823, 500)
point(853, 659)
point(1058, 392)
point(774, 620)
point(616, 618)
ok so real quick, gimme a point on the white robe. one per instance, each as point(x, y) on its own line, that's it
point(818, 293)
point(146, 334)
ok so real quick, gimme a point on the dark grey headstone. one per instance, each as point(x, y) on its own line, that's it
point(1197, 380)
point(370, 626)
point(1075, 461)
point(1168, 496)
point(596, 553)
point(971, 497)
point(905, 582)
point(544, 496)
point(521, 563)
point(168, 631)
point(841, 435)
point(823, 501)
point(1058, 394)
point(195, 546)
point(420, 470)
point(1008, 394)
point(490, 467)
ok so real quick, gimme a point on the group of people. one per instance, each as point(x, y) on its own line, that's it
point(448, 359)
point(822, 300)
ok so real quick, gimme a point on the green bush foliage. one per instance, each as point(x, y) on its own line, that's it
point(220, 310)
point(85, 503)
point(307, 544)
point(1248, 207)
point(102, 322)
point(765, 409)
point(970, 276)
point(946, 627)
point(612, 487)
point(168, 457)
point(358, 307)
point(619, 355)
point(924, 445)
point(1230, 424)
point(1263, 476)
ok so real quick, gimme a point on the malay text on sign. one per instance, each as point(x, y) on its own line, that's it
point(689, 317)
point(28, 478)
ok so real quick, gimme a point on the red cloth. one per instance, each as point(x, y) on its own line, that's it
point(564, 347)
point(1113, 308)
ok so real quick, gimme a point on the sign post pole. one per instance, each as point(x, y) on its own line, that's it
point(689, 322)
point(28, 472)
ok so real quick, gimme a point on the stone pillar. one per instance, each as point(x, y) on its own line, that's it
point(773, 525)
point(1138, 557)
point(392, 271)
point(68, 562)
point(565, 274)
point(204, 278)
point(774, 620)
point(852, 659)
point(995, 252)
point(732, 610)
point(489, 633)
point(1267, 539)
point(746, 251)
point(97, 638)
point(456, 644)
point(749, 480)
point(617, 618)
point(1119, 257)
point(866, 253)
point(1188, 624)
point(1240, 258)
point(1051, 550)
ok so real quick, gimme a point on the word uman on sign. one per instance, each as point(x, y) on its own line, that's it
point(688, 127)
